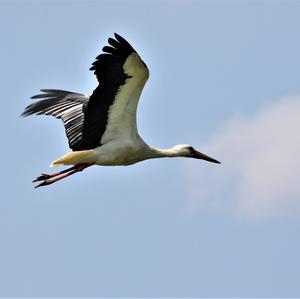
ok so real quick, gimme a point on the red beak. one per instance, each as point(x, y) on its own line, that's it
point(198, 155)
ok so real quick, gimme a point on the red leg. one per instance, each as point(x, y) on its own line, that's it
point(66, 173)
point(46, 176)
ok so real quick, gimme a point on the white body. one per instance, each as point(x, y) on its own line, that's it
point(119, 152)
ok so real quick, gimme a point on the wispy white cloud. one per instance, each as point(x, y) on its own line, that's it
point(260, 171)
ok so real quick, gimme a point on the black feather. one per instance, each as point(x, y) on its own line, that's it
point(65, 105)
point(110, 74)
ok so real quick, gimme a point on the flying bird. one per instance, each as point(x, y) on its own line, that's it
point(101, 128)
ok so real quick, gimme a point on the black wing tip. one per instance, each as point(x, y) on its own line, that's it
point(47, 99)
point(29, 110)
point(120, 43)
point(45, 93)
point(123, 41)
point(49, 93)
point(117, 36)
point(24, 114)
point(117, 47)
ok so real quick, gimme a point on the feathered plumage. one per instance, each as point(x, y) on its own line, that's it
point(102, 129)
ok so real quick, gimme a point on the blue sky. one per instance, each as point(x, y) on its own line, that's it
point(224, 77)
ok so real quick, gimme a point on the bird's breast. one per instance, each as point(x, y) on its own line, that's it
point(118, 155)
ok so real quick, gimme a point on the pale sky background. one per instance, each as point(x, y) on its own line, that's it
point(224, 77)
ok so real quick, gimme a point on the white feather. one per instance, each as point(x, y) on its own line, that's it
point(122, 114)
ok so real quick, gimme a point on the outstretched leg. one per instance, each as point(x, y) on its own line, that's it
point(50, 179)
point(46, 176)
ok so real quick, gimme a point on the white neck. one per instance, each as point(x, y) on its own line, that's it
point(162, 153)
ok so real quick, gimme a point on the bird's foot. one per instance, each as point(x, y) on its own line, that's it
point(48, 179)
point(42, 177)
point(44, 183)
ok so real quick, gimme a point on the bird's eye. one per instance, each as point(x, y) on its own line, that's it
point(191, 149)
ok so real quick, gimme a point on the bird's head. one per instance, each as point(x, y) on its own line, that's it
point(185, 150)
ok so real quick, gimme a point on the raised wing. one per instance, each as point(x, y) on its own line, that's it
point(65, 105)
point(111, 111)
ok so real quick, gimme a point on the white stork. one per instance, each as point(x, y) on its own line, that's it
point(101, 129)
